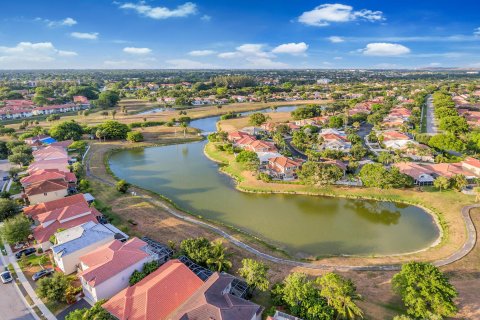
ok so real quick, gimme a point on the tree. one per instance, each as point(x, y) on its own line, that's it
point(78, 169)
point(218, 260)
point(8, 209)
point(16, 229)
point(67, 130)
point(303, 298)
point(257, 119)
point(441, 183)
point(385, 157)
point(113, 113)
point(22, 159)
point(318, 174)
point(135, 136)
point(53, 288)
point(108, 99)
point(205, 253)
point(255, 274)
point(94, 313)
point(425, 291)
point(376, 175)
point(340, 294)
point(454, 124)
point(122, 186)
point(113, 130)
point(459, 182)
point(87, 91)
point(249, 159)
point(446, 142)
point(335, 122)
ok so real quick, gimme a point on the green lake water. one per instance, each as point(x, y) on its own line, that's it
point(301, 225)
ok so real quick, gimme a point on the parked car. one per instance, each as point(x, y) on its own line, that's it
point(6, 277)
point(26, 252)
point(42, 273)
point(5, 178)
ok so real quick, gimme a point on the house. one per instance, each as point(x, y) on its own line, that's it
point(341, 165)
point(46, 190)
point(49, 175)
point(234, 136)
point(174, 292)
point(421, 176)
point(62, 218)
point(283, 167)
point(37, 140)
point(157, 295)
point(50, 153)
point(265, 156)
point(282, 316)
point(425, 174)
point(82, 101)
point(107, 270)
point(60, 164)
point(334, 140)
point(260, 146)
point(215, 300)
point(34, 210)
point(78, 241)
point(245, 141)
point(253, 131)
point(472, 165)
point(395, 140)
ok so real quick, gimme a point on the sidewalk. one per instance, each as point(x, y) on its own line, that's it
point(28, 287)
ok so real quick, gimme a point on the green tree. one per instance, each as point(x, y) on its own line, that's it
point(108, 99)
point(335, 122)
point(447, 142)
point(257, 119)
point(78, 169)
point(197, 249)
point(385, 158)
point(67, 130)
point(134, 136)
point(16, 229)
point(255, 274)
point(122, 186)
point(376, 175)
point(341, 294)
point(425, 291)
point(94, 313)
point(318, 174)
point(53, 288)
point(218, 260)
point(454, 124)
point(22, 159)
point(113, 130)
point(249, 159)
point(441, 183)
point(8, 209)
point(459, 182)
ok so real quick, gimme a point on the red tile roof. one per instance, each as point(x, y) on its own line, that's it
point(284, 162)
point(45, 187)
point(34, 210)
point(472, 161)
point(111, 259)
point(48, 174)
point(64, 213)
point(155, 296)
point(394, 135)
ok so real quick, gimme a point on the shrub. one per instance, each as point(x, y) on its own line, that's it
point(135, 136)
point(122, 186)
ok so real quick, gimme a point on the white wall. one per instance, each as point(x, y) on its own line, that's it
point(38, 198)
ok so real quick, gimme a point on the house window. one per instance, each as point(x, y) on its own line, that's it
point(44, 193)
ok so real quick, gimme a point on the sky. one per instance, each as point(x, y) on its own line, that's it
point(240, 34)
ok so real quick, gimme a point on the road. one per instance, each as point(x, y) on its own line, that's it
point(431, 122)
point(11, 305)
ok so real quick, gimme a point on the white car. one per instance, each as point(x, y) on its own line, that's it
point(6, 277)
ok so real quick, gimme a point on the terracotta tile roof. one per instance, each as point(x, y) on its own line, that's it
point(472, 161)
point(62, 144)
point(34, 210)
point(155, 296)
point(48, 174)
point(64, 213)
point(45, 187)
point(284, 162)
point(394, 135)
point(259, 145)
point(237, 135)
point(333, 136)
point(245, 140)
point(213, 301)
point(111, 259)
point(60, 164)
point(338, 163)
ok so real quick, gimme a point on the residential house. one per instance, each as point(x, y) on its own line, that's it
point(261, 146)
point(107, 270)
point(283, 168)
point(234, 136)
point(50, 153)
point(46, 190)
point(77, 241)
point(34, 210)
point(425, 174)
point(60, 164)
point(264, 157)
point(334, 140)
point(157, 295)
point(282, 316)
point(253, 131)
point(396, 140)
point(37, 140)
point(49, 175)
point(472, 165)
point(62, 218)
point(421, 175)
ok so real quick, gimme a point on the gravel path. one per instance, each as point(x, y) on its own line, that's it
point(463, 251)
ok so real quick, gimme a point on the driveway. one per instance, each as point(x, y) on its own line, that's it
point(431, 122)
point(80, 304)
point(11, 305)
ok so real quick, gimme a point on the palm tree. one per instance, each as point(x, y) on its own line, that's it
point(184, 126)
point(219, 259)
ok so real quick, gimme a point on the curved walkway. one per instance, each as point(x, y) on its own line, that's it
point(463, 251)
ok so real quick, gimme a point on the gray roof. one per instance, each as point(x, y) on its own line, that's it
point(83, 236)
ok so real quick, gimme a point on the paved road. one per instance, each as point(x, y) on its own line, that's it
point(463, 251)
point(431, 122)
point(11, 305)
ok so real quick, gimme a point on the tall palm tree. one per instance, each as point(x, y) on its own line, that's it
point(219, 259)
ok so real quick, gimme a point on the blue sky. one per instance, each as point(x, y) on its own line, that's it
point(239, 34)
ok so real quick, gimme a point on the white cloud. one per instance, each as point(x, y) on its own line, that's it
point(253, 49)
point(253, 55)
point(229, 55)
point(385, 49)
point(138, 51)
point(476, 32)
point(291, 48)
point(337, 58)
point(325, 14)
point(160, 13)
point(201, 53)
point(206, 17)
point(67, 22)
point(85, 35)
point(265, 63)
point(336, 39)
point(32, 53)
point(188, 64)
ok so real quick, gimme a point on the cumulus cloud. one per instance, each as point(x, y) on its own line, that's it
point(253, 55)
point(336, 39)
point(138, 51)
point(188, 64)
point(67, 22)
point(291, 48)
point(206, 17)
point(476, 32)
point(385, 49)
point(201, 53)
point(325, 14)
point(32, 52)
point(161, 13)
point(85, 35)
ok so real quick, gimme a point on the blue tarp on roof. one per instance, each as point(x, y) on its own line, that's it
point(48, 140)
